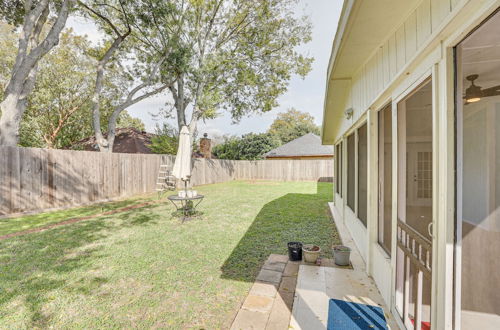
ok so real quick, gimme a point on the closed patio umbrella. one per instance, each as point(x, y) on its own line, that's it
point(182, 165)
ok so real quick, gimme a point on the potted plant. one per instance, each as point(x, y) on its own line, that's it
point(311, 253)
point(341, 254)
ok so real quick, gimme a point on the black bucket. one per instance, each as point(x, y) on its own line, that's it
point(295, 251)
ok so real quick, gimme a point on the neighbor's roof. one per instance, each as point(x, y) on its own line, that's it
point(306, 145)
point(127, 140)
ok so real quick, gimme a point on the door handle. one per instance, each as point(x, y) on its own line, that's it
point(429, 229)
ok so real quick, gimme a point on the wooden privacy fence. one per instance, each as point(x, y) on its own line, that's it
point(36, 179)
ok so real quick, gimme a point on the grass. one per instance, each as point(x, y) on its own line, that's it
point(21, 223)
point(143, 268)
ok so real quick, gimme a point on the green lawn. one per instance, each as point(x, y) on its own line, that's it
point(12, 225)
point(144, 268)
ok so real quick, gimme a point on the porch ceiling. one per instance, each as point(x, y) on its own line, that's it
point(362, 27)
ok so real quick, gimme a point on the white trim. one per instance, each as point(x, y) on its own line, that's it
point(458, 209)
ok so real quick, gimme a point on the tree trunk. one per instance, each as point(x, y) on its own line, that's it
point(10, 121)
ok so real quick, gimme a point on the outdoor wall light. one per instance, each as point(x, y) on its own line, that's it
point(348, 113)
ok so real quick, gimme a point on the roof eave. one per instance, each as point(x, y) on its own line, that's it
point(345, 14)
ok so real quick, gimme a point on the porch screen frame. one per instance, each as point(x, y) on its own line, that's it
point(382, 184)
point(459, 167)
point(424, 75)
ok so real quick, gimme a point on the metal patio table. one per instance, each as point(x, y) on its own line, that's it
point(181, 204)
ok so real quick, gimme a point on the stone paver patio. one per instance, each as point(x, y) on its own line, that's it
point(269, 302)
point(317, 285)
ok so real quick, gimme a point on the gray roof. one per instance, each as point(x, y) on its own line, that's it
point(306, 145)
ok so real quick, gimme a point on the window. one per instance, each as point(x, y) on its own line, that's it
point(338, 168)
point(362, 173)
point(351, 170)
point(385, 178)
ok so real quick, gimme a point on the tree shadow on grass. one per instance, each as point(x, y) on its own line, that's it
point(35, 265)
point(293, 217)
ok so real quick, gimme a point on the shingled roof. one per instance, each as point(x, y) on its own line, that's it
point(127, 140)
point(306, 145)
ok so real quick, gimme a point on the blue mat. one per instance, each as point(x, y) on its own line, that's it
point(344, 315)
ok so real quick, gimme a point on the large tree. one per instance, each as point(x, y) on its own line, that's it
point(132, 36)
point(234, 55)
point(293, 124)
point(42, 21)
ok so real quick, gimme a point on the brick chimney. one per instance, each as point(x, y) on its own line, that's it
point(206, 146)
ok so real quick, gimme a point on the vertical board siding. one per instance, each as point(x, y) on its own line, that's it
point(394, 54)
point(35, 179)
point(411, 36)
point(400, 48)
point(424, 26)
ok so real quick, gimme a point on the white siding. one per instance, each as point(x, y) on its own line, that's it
point(394, 54)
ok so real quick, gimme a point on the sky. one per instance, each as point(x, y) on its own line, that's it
point(305, 95)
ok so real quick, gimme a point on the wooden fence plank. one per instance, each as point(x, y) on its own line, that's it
point(36, 179)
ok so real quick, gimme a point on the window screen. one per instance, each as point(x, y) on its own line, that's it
point(385, 178)
point(351, 171)
point(338, 168)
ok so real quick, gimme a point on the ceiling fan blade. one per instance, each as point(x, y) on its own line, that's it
point(491, 91)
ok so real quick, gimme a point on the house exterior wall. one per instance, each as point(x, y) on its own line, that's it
point(420, 47)
point(390, 60)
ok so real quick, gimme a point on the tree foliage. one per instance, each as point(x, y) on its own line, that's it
point(293, 124)
point(58, 111)
point(233, 55)
point(8, 48)
point(165, 141)
point(126, 120)
point(248, 147)
point(131, 35)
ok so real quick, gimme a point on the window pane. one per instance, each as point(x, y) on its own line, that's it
point(478, 175)
point(385, 178)
point(363, 173)
point(351, 169)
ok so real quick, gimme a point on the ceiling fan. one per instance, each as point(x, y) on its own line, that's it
point(474, 93)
